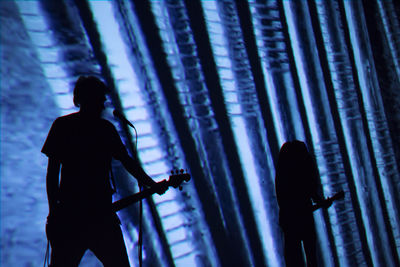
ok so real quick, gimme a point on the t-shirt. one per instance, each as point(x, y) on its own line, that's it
point(85, 147)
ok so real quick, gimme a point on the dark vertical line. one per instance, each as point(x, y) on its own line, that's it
point(257, 73)
point(211, 77)
point(247, 28)
point(323, 60)
point(396, 5)
point(295, 76)
point(367, 133)
point(384, 60)
point(368, 8)
point(95, 41)
point(296, 82)
point(303, 112)
point(227, 253)
point(386, 76)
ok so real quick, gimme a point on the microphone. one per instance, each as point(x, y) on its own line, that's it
point(122, 118)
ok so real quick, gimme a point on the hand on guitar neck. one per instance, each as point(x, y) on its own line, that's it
point(175, 180)
point(326, 203)
point(159, 187)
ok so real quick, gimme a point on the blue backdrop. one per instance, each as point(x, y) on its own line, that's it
point(213, 87)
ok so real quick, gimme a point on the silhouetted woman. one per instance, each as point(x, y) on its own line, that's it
point(296, 184)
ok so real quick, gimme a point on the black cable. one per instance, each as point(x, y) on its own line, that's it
point(140, 238)
point(135, 152)
point(47, 255)
point(140, 241)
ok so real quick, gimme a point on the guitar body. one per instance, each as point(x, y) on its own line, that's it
point(69, 221)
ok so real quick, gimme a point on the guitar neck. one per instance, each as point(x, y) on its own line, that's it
point(337, 196)
point(125, 202)
point(174, 180)
point(317, 206)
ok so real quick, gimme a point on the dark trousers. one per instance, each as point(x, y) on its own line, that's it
point(293, 247)
point(104, 239)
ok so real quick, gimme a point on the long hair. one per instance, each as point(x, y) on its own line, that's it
point(296, 173)
point(293, 154)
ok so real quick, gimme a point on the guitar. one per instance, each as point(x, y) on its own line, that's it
point(175, 180)
point(55, 222)
point(337, 196)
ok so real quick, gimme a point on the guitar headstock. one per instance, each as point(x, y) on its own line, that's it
point(177, 177)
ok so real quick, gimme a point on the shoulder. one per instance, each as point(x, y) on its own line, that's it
point(66, 118)
point(64, 121)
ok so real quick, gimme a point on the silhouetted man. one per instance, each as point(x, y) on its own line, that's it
point(82, 144)
point(296, 184)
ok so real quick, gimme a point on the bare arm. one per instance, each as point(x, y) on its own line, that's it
point(134, 168)
point(52, 178)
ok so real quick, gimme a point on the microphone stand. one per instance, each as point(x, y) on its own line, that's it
point(140, 238)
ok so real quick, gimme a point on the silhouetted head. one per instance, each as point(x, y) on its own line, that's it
point(293, 151)
point(90, 95)
point(294, 160)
